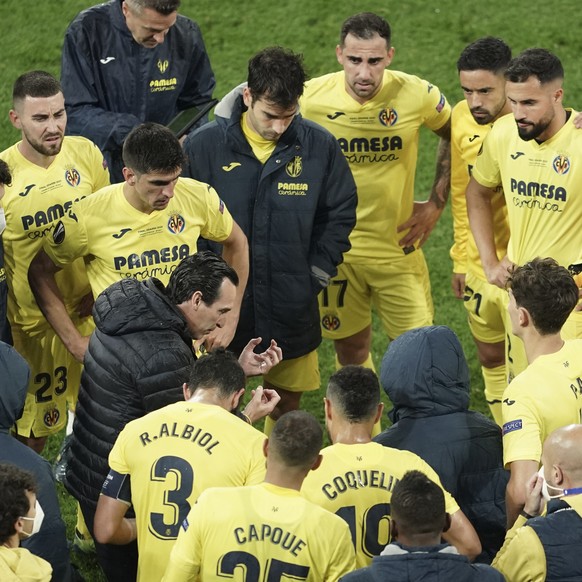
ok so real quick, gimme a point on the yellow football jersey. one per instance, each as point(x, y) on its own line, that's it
point(33, 205)
point(545, 396)
point(174, 454)
point(118, 241)
point(541, 184)
point(262, 532)
point(466, 139)
point(356, 483)
point(380, 141)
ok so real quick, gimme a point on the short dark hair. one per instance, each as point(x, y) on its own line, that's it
point(355, 391)
point(296, 439)
point(14, 482)
point(151, 148)
point(202, 272)
point(35, 84)
point(364, 26)
point(164, 7)
point(5, 175)
point(537, 62)
point(547, 290)
point(418, 505)
point(219, 370)
point(487, 53)
point(276, 75)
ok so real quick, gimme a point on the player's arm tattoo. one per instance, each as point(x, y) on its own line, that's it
point(441, 186)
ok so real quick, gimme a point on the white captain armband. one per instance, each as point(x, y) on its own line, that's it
point(117, 486)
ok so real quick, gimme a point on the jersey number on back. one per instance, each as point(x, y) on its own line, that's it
point(375, 534)
point(249, 564)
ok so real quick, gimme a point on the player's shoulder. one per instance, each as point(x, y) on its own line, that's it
point(91, 17)
point(79, 146)
point(188, 186)
point(317, 133)
point(10, 155)
point(323, 84)
point(460, 110)
point(408, 80)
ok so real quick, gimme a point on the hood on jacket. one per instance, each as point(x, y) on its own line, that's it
point(424, 373)
point(14, 375)
point(228, 103)
point(131, 306)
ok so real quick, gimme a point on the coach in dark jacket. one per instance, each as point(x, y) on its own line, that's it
point(50, 542)
point(137, 361)
point(116, 73)
point(425, 375)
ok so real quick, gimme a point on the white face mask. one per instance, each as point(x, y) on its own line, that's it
point(37, 521)
point(545, 487)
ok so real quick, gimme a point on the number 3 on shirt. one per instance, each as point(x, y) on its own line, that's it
point(178, 476)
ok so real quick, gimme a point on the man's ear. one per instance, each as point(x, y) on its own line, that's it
point(317, 462)
point(266, 448)
point(247, 97)
point(393, 530)
point(524, 316)
point(15, 119)
point(447, 522)
point(236, 398)
point(186, 391)
point(327, 408)
point(379, 412)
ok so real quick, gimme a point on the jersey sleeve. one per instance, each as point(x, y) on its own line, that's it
point(486, 170)
point(436, 110)
point(257, 467)
point(458, 201)
point(186, 556)
point(343, 558)
point(117, 460)
point(69, 239)
point(521, 425)
point(219, 220)
point(99, 167)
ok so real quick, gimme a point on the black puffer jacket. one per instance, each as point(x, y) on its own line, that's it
point(425, 374)
point(137, 360)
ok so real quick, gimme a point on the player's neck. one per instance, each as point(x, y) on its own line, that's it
point(34, 157)
point(537, 345)
point(282, 476)
point(347, 433)
point(557, 123)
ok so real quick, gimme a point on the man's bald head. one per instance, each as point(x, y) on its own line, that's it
point(562, 457)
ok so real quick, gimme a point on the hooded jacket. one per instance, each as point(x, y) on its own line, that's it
point(426, 377)
point(440, 563)
point(111, 83)
point(297, 211)
point(138, 358)
point(50, 542)
point(18, 564)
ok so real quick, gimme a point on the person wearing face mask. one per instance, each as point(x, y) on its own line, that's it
point(50, 543)
point(540, 548)
point(20, 518)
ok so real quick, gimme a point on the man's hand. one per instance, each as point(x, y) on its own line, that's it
point(497, 274)
point(458, 285)
point(221, 337)
point(85, 307)
point(259, 364)
point(262, 403)
point(534, 500)
point(79, 348)
point(424, 217)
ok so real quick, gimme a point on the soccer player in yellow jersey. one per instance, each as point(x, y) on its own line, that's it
point(268, 531)
point(5, 335)
point(536, 156)
point(49, 172)
point(548, 393)
point(481, 67)
point(376, 115)
point(357, 476)
point(170, 456)
point(141, 228)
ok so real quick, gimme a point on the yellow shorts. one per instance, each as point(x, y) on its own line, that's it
point(399, 290)
point(54, 380)
point(486, 307)
point(296, 375)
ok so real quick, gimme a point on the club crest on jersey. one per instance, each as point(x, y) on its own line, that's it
point(294, 167)
point(388, 117)
point(176, 223)
point(330, 322)
point(163, 66)
point(72, 177)
point(561, 164)
point(51, 417)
